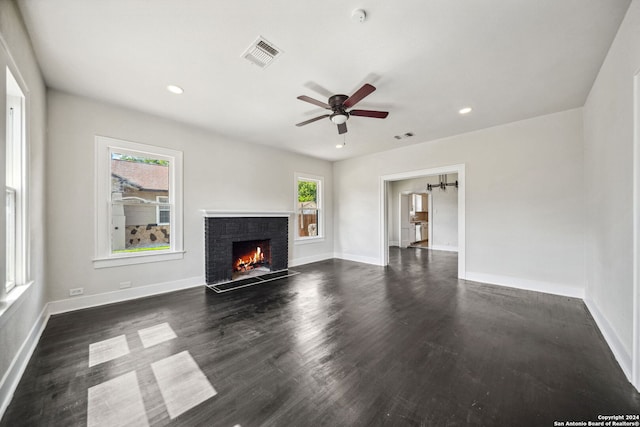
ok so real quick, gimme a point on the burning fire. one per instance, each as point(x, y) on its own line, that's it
point(250, 261)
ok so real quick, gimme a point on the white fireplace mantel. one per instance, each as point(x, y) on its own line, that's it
point(247, 214)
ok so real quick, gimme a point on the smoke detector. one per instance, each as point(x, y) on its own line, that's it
point(359, 15)
point(261, 52)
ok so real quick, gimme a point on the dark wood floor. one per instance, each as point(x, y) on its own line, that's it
point(345, 344)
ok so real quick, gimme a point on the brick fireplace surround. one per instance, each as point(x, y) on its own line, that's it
point(221, 229)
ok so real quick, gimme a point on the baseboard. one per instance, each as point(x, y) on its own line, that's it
point(358, 258)
point(309, 259)
point(77, 303)
point(12, 376)
point(444, 248)
point(615, 344)
point(526, 284)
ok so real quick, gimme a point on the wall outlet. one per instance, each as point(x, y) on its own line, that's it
point(76, 291)
point(125, 285)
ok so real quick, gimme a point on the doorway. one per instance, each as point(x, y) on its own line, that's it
point(386, 183)
point(411, 222)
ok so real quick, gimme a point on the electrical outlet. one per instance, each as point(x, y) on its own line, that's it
point(125, 285)
point(76, 291)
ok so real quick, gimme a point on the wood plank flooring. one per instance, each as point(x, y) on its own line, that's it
point(341, 344)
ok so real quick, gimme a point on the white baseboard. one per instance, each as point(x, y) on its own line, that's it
point(12, 376)
point(309, 259)
point(77, 303)
point(615, 344)
point(358, 258)
point(444, 248)
point(526, 284)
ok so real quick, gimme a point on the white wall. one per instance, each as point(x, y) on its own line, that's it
point(608, 132)
point(445, 216)
point(524, 200)
point(23, 314)
point(219, 174)
point(444, 210)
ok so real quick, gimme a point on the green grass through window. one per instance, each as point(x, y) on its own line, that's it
point(156, 248)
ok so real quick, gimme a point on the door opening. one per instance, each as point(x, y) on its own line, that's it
point(408, 208)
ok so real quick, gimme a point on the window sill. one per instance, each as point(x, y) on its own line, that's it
point(13, 297)
point(308, 240)
point(117, 261)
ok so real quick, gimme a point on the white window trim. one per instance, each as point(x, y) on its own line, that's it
point(103, 256)
point(158, 210)
point(320, 206)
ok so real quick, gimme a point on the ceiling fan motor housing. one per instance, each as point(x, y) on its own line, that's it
point(336, 102)
point(339, 115)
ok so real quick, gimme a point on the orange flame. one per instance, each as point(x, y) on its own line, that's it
point(248, 262)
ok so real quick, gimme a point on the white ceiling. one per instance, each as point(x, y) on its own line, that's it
point(508, 59)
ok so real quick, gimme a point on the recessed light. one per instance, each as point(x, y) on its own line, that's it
point(465, 110)
point(175, 89)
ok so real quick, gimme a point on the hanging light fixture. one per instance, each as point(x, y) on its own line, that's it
point(443, 184)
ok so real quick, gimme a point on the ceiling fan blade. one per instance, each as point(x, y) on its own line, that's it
point(306, 122)
point(342, 128)
point(364, 91)
point(369, 113)
point(314, 101)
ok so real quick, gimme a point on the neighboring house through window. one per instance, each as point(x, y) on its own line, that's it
point(309, 209)
point(139, 201)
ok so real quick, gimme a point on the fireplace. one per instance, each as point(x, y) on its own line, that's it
point(251, 258)
point(243, 245)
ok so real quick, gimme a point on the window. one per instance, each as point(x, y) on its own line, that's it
point(138, 202)
point(309, 218)
point(16, 186)
point(163, 212)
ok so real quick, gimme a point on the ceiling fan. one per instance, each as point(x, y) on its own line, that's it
point(339, 104)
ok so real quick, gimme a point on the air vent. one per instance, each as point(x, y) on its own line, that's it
point(261, 52)
point(405, 135)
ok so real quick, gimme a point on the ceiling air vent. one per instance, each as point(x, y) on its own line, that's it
point(261, 52)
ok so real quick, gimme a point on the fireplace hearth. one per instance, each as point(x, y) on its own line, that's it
point(240, 245)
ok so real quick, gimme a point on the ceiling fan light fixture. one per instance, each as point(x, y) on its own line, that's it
point(339, 118)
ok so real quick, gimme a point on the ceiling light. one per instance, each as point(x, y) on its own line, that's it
point(465, 110)
point(339, 118)
point(175, 89)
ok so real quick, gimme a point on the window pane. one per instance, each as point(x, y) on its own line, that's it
point(307, 222)
point(10, 201)
point(140, 210)
point(16, 218)
point(164, 217)
point(135, 229)
point(308, 193)
point(139, 179)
